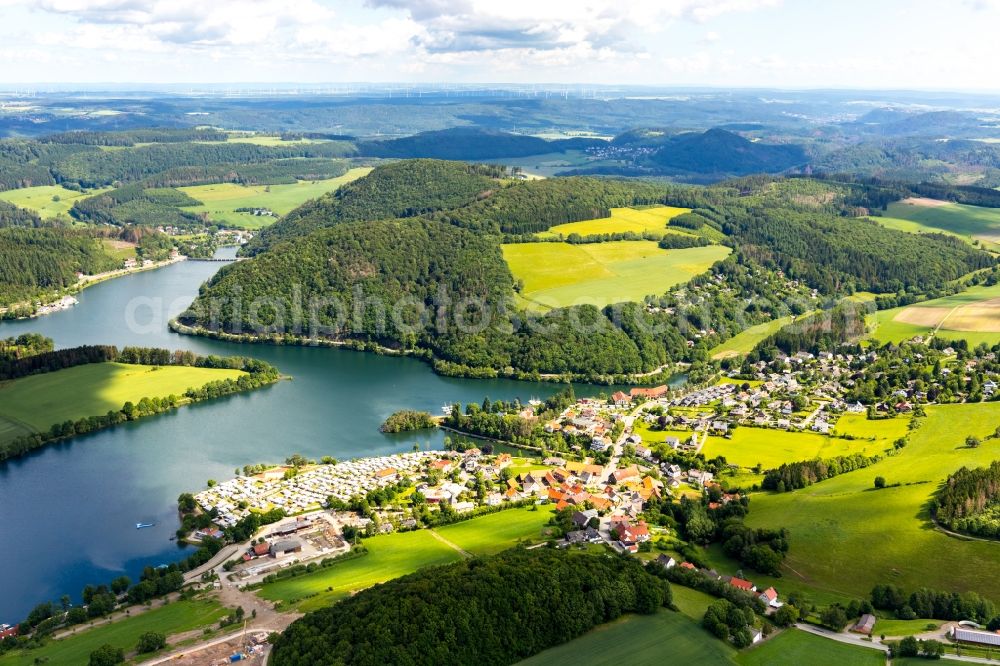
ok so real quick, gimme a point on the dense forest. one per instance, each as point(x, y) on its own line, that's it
point(480, 611)
point(402, 189)
point(967, 502)
point(47, 259)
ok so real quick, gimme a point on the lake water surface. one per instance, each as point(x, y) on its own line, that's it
point(68, 512)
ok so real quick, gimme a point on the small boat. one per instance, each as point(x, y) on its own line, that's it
point(139, 526)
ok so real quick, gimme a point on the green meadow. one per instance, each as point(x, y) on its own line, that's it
point(221, 200)
point(798, 647)
point(654, 219)
point(393, 555)
point(885, 536)
point(560, 274)
point(174, 618)
point(40, 199)
point(973, 315)
point(771, 447)
point(497, 531)
point(744, 341)
point(959, 219)
point(37, 402)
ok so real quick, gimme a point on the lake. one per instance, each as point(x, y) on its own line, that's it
point(68, 512)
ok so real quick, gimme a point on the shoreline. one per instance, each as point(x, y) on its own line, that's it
point(58, 304)
point(439, 366)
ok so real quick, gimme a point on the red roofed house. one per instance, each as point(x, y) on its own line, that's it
point(622, 475)
point(687, 565)
point(262, 549)
point(741, 584)
point(770, 597)
point(630, 535)
point(620, 399)
point(7, 631)
point(442, 465)
point(651, 393)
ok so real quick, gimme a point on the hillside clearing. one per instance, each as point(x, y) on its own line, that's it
point(221, 200)
point(653, 219)
point(560, 274)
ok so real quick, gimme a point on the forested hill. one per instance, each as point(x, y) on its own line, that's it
point(800, 226)
point(470, 143)
point(401, 189)
point(720, 152)
point(383, 261)
point(47, 259)
point(487, 611)
point(536, 205)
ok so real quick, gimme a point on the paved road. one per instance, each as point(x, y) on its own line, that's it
point(874, 644)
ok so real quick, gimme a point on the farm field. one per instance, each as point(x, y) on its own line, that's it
point(973, 315)
point(770, 447)
point(744, 341)
point(174, 618)
point(663, 638)
point(39, 401)
point(497, 531)
point(653, 219)
point(220, 200)
point(39, 199)
point(838, 522)
point(928, 215)
point(798, 647)
point(560, 274)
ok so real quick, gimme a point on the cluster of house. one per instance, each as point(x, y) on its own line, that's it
point(604, 488)
point(588, 417)
point(769, 596)
point(132, 262)
point(297, 491)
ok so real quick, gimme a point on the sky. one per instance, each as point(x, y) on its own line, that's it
point(885, 44)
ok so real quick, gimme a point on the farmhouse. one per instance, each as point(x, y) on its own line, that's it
point(865, 625)
point(741, 584)
point(770, 597)
point(620, 399)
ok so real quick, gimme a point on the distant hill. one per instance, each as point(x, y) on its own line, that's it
point(470, 143)
point(723, 152)
point(895, 123)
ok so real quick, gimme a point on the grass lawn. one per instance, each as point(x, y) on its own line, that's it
point(973, 315)
point(497, 531)
point(221, 200)
point(389, 556)
point(663, 638)
point(904, 627)
point(653, 219)
point(560, 274)
point(885, 431)
point(798, 647)
point(744, 342)
point(969, 221)
point(39, 199)
point(691, 602)
point(771, 447)
point(174, 618)
point(837, 523)
point(40, 401)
